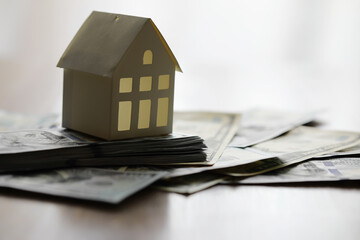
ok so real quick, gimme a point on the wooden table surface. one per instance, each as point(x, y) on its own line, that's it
point(287, 211)
point(307, 211)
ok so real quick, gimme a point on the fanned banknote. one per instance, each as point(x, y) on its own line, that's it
point(298, 145)
point(351, 151)
point(259, 125)
point(83, 183)
point(333, 169)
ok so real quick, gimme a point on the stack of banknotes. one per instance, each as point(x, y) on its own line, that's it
point(256, 147)
point(47, 149)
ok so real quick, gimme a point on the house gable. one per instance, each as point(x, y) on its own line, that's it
point(132, 61)
point(160, 71)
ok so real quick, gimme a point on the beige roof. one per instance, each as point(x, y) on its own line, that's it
point(102, 41)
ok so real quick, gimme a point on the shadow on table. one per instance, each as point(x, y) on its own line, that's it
point(132, 201)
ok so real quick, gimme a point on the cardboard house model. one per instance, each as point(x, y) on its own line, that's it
point(118, 78)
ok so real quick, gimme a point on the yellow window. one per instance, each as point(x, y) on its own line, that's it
point(144, 114)
point(164, 82)
point(145, 83)
point(162, 112)
point(148, 57)
point(125, 85)
point(124, 116)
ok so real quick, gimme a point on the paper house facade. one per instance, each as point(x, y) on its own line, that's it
point(118, 78)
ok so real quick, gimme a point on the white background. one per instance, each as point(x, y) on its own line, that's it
point(298, 55)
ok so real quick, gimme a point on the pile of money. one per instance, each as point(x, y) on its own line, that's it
point(45, 149)
point(256, 147)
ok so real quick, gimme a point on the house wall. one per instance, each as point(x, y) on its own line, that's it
point(132, 66)
point(86, 103)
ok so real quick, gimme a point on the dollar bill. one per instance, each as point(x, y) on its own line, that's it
point(334, 169)
point(351, 151)
point(191, 184)
point(83, 183)
point(35, 140)
point(259, 125)
point(298, 145)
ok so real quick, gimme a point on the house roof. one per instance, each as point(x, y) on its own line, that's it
point(102, 41)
